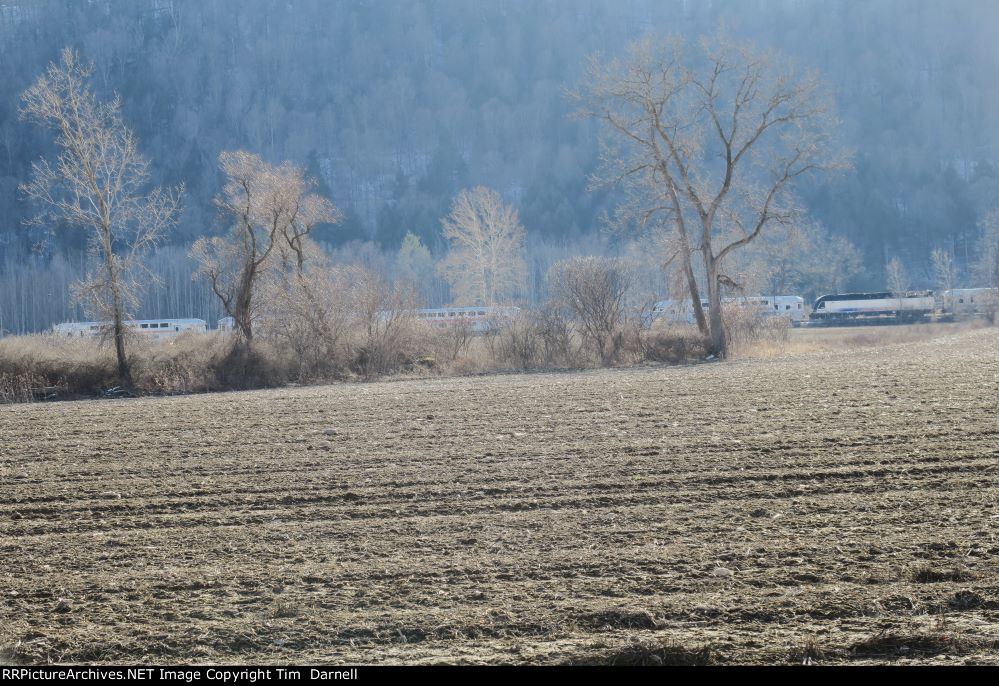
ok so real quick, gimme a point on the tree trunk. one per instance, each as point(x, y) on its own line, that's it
point(688, 266)
point(695, 298)
point(124, 372)
point(717, 341)
point(241, 312)
point(117, 317)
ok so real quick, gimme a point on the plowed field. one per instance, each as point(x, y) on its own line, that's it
point(825, 507)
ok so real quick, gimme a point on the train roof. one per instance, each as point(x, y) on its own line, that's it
point(733, 298)
point(130, 322)
point(971, 290)
point(882, 295)
point(501, 310)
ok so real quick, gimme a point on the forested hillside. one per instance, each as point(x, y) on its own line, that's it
point(397, 105)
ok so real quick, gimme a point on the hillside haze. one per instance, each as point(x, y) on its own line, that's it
point(396, 106)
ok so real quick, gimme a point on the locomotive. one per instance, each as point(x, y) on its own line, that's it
point(909, 306)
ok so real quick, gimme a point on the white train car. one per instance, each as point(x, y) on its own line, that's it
point(156, 329)
point(675, 311)
point(791, 307)
point(480, 319)
point(910, 306)
point(971, 302)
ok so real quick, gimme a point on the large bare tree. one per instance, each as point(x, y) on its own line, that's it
point(707, 142)
point(486, 263)
point(273, 213)
point(98, 183)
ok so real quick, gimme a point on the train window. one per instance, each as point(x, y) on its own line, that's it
point(787, 307)
point(145, 326)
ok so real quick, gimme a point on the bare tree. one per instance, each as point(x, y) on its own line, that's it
point(987, 267)
point(414, 264)
point(836, 262)
point(898, 281)
point(944, 269)
point(99, 184)
point(801, 257)
point(273, 214)
point(708, 143)
point(486, 263)
point(310, 311)
point(595, 291)
point(386, 325)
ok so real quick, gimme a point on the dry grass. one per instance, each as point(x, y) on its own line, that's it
point(832, 339)
point(649, 654)
point(45, 367)
point(70, 368)
point(774, 510)
point(929, 574)
point(8, 657)
point(894, 645)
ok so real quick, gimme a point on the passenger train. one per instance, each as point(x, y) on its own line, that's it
point(790, 307)
point(479, 319)
point(911, 306)
point(908, 306)
point(970, 302)
point(157, 329)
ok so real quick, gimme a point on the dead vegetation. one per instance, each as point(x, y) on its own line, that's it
point(367, 332)
point(834, 507)
point(369, 345)
point(928, 574)
point(832, 339)
point(893, 645)
point(649, 654)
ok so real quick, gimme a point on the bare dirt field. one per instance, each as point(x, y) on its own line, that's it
point(833, 506)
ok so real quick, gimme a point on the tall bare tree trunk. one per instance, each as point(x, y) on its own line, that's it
point(124, 371)
point(717, 340)
point(244, 300)
point(117, 304)
point(685, 255)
